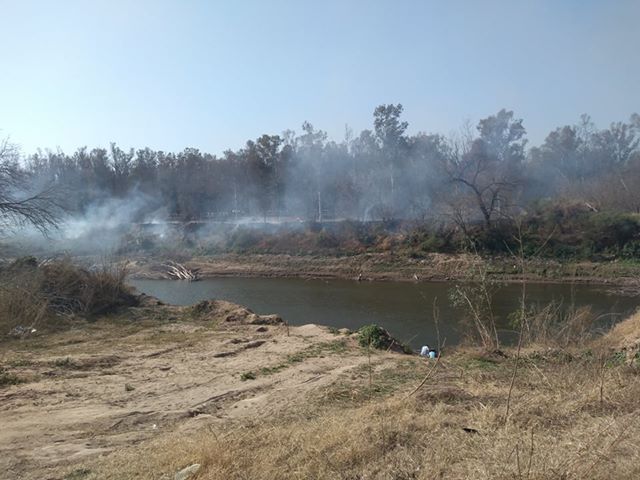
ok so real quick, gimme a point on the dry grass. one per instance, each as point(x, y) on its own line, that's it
point(556, 327)
point(625, 336)
point(453, 427)
point(573, 414)
point(37, 295)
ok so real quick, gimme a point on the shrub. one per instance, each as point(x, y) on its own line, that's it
point(374, 336)
point(32, 293)
point(244, 239)
point(607, 230)
point(8, 378)
point(326, 240)
point(70, 289)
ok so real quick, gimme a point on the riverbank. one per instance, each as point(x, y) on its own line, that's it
point(153, 389)
point(393, 267)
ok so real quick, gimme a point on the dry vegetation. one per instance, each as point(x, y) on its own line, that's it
point(454, 427)
point(246, 400)
point(50, 293)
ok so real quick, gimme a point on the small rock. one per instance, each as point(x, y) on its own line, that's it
point(344, 331)
point(262, 329)
point(187, 472)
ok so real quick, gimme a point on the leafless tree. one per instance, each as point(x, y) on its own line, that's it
point(23, 201)
point(487, 169)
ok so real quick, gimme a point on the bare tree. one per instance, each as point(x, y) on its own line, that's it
point(487, 169)
point(22, 200)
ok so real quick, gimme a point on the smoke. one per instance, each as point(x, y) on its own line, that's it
point(148, 199)
point(100, 220)
point(103, 227)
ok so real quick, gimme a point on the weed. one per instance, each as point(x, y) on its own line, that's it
point(481, 363)
point(617, 358)
point(247, 376)
point(334, 330)
point(21, 362)
point(318, 350)
point(64, 363)
point(78, 474)
point(272, 370)
point(8, 378)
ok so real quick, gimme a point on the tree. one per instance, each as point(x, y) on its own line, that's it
point(390, 134)
point(616, 167)
point(264, 163)
point(487, 169)
point(616, 145)
point(421, 178)
point(311, 152)
point(121, 168)
point(21, 202)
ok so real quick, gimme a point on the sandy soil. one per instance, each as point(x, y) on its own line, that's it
point(109, 386)
point(157, 388)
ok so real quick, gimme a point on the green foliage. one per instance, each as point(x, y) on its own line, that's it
point(374, 336)
point(564, 232)
point(616, 358)
point(247, 376)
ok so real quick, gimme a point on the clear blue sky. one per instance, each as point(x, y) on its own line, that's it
point(212, 74)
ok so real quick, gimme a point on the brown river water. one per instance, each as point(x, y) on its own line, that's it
point(403, 308)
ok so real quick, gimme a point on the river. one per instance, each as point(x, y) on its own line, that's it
point(405, 309)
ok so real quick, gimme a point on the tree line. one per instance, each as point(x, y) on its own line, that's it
point(477, 176)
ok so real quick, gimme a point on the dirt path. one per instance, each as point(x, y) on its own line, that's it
point(93, 396)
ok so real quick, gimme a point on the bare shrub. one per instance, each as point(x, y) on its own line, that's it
point(70, 289)
point(31, 293)
point(21, 302)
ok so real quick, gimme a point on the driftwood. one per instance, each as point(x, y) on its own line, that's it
point(178, 271)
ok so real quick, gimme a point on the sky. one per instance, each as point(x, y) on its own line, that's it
point(213, 74)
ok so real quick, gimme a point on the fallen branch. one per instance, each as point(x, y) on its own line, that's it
point(178, 271)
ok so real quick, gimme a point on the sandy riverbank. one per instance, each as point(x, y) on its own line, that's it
point(156, 388)
point(390, 267)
